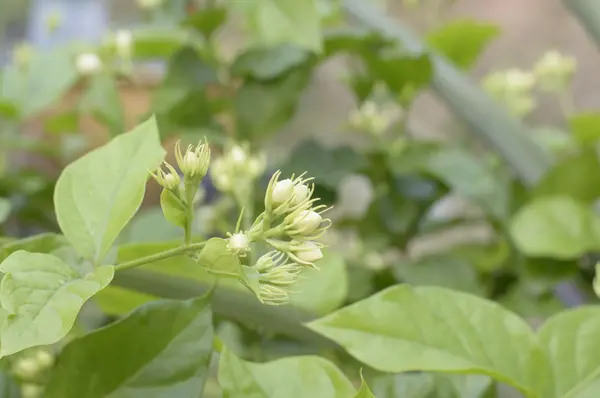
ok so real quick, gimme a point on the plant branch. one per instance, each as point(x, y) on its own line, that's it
point(159, 256)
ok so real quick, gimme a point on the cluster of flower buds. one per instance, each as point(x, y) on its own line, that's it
point(124, 43)
point(236, 167)
point(554, 71)
point(30, 369)
point(372, 118)
point(513, 88)
point(291, 225)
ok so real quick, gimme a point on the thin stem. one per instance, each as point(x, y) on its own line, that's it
point(159, 256)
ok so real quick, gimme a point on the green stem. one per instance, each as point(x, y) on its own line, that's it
point(159, 256)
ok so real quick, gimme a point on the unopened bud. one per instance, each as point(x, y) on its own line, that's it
point(88, 64)
point(237, 155)
point(195, 161)
point(273, 295)
point(123, 41)
point(30, 390)
point(149, 4)
point(26, 368)
point(301, 193)
point(44, 358)
point(554, 71)
point(169, 180)
point(239, 243)
point(308, 252)
point(282, 191)
point(307, 221)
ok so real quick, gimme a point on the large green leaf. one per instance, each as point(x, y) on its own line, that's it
point(571, 342)
point(115, 300)
point(555, 226)
point(282, 21)
point(323, 290)
point(404, 329)
point(462, 41)
point(292, 377)
point(162, 349)
point(41, 297)
point(577, 176)
point(97, 195)
point(585, 127)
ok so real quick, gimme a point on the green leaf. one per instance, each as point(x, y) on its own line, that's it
point(292, 377)
point(471, 179)
point(404, 75)
point(96, 196)
point(328, 166)
point(150, 225)
point(262, 108)
point(41, 297)
point(403, 329)
point(207, 20)
point(4, 209)
point(102, 100)
point(585, 127)
point(324, 290)
point(115, 300)
point(268, 63)
point(42, 243)
point(440, 270)
point(577, 176)
point(162, 349)
point(273, 22)
point(48, 76)
point(462, 41)
point(555, 227)
point(217, 259)
point(174, 210)
point(364, 391)
point(413, 385)
point(570, 340)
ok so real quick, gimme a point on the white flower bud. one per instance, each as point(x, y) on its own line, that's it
point(171, 181)
point(30, 390)
point(307, 221)
point(309, 252)
point(237, 155)
point(26, 368)
point(44, 358)
point(149, 4)
point(88, 64)
point(123, 41)
point(239, 243)
point(301, 193)
point(282, 191)
point(189, 163)
point(195, 161)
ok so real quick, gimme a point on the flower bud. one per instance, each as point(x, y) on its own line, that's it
point(30, 390)
point(123, 41)
point(307, 221)
point(309, 252)
point(301, 193)
point(169, 180)
point(272, 295)
point(44, 358)
point(149, 4)
point(26, 368)
point(239, 243)
point(88, 64)
point(237, 155)
point(554, 71)
point(194, 163)
point(282, 191)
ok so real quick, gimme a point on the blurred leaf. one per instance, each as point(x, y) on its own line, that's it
point(42, 243)
point(328, 166)
point(462, 41)
point(207, 20)
point(115, 300)
point(4, 209)
point(292, 377)
point(585, 127)
point(354, 41)
point(273, 22)
point(150, 225)
point(323, 290)
point(47, 77)
point(128, 358)
point(530, 305)
point(102, 99)
point(440, 270)
point(182, 99)
point(106, 198)
point(66, 122)
point(557, 226)
point(268, 63)
point(577, 176)
point(157, 42)
point(404, 75)
point(484, 257)
point(261, 109)
point(413, 385)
